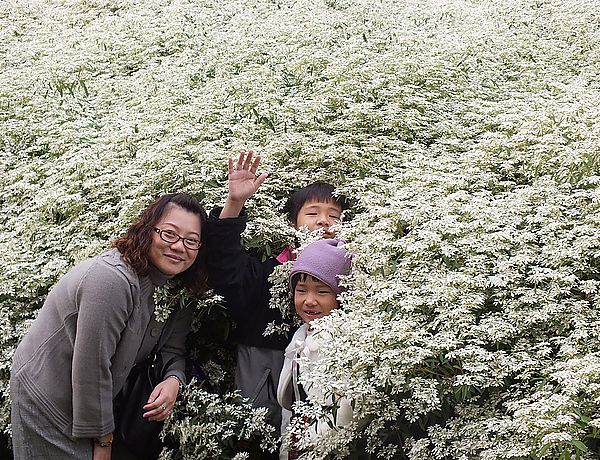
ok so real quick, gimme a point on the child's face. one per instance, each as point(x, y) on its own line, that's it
point(313, 299)
point(319, 214)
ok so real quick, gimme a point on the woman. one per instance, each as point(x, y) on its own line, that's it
point(97, 322)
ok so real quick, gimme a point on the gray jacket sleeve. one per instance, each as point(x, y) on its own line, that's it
point(105, 301)
point(175, 344)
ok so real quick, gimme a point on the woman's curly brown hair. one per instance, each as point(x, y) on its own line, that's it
point(134, 246)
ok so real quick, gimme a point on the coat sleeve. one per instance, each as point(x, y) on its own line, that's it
point(104, 302)
point(285, 391)
point(175, 344)
point(233, 273)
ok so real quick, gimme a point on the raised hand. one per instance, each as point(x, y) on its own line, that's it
point(243, 183)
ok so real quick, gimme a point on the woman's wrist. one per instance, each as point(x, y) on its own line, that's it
point(104, 441)
point(179, 381)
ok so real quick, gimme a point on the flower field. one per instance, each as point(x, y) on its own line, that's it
point(466, 134)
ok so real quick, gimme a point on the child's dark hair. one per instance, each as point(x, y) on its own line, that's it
point(296, 278)
point(317, 191)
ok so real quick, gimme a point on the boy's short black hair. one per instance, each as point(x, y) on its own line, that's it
point(317, 191)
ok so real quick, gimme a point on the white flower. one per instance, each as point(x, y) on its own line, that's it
point(465, 135)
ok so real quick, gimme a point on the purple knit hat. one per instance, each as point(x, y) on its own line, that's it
point(326, 260)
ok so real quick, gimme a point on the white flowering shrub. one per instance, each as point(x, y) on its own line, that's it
point(465, 132)
point(214, 426)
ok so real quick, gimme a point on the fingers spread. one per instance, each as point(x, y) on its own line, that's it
point(248, 159)
point(240, 160)
point(255, 165)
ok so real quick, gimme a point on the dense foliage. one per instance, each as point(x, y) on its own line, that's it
point(465, 132)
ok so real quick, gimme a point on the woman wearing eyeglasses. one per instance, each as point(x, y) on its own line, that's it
point(95, 325)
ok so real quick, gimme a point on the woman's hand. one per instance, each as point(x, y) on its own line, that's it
point(243, 183)
point(162, 400)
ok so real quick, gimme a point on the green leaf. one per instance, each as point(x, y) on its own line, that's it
point(580, 445)
point(545, 448)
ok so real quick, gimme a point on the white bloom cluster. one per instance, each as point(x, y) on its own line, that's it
point(465, 133)
point(209, 426)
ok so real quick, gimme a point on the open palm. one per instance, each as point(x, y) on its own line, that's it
point(243, 182)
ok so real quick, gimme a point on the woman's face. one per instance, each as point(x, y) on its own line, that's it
point(174, 258)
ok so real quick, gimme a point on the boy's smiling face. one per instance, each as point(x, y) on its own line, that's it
point(313, 299)
point(319, 214)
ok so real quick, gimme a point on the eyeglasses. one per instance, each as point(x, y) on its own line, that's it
point(170, 236)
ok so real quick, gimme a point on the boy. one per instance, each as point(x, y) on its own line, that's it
point(314, 280)
point(243, 279)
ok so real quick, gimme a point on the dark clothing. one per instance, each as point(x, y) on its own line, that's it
point(243, 280)
point(257, 377)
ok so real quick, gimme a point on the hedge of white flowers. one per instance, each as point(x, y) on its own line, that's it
point(465, 132)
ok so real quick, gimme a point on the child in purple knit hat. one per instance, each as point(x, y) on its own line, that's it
point(317, 270)
point(243, 279)
point(314, 280)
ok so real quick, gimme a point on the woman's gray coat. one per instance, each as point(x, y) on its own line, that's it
point(96, 323)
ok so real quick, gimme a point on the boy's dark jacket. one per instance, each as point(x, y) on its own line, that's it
point(242, 280)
